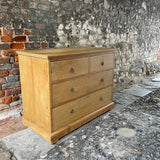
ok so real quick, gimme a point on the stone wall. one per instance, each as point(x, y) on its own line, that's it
point(130, 26)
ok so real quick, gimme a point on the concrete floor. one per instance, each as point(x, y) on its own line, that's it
point(131, 131)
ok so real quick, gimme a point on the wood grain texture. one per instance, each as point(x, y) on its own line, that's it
point(74, 88)
point(46, 135)
point(76, 109)
point(41, 87)
point(65, 53)
point(63, 89)
point(101, 62)
point(26, 77)
point(68, 68)
point(56, 135)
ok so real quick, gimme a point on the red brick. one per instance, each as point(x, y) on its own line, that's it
point(7, 32)
point(4, 60)
point(15, 98)
point(2, 93)
point(8, 92)
point(6, 100)
point(19, 39)
point(16, 91)
point(27, 32)
point(9, 53)
point(3, 73)
point(14, 71)
point(16, 59)
point(40, 26)
point(44, 45)
point(17, 46)
point(6, 39)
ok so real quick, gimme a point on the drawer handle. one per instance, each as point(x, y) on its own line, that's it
point(102, 63)
point(72, 90)
point(101, 98)
point(72, 110)
point(102, 80)
point(72, 70)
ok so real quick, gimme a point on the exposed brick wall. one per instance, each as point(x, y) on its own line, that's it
point(23, 25)
point(130, 26)
point(10, 91)
point(12, 40)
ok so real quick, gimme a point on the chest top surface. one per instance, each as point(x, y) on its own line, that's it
point(63, 53)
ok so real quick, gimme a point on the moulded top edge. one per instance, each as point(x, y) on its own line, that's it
point(64, 52)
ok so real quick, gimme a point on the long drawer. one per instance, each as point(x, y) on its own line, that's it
point(69, 112)
point(68, 68)
point(101, 62)
point(69, 90)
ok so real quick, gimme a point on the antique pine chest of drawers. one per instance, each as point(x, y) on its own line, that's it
point(63, 89)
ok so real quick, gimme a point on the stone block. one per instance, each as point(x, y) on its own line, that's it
point(123, 99)
point(30, 144)
point(5, 66)
point(12, 78)
point(136, 91)
point(10, 85)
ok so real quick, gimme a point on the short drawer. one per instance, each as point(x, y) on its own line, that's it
point(101, 62)
point(72, 111)
point(68, 68)
point(71, 89)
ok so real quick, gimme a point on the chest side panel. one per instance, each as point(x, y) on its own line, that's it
point(41, 87)
point(26, 77)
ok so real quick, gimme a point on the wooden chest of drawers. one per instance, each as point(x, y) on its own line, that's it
point(63, 89)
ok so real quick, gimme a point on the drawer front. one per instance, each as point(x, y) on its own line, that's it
point(68, 68)
point(68, 90)
point(69, 112)
point(101, 62)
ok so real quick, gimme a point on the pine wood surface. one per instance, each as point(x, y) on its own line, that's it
point(65, 53)
point(63, 89)
point(34, 75)
point(55, 136)
point(69, 112)
point(77, 87)
point(101, 62)
point(69, 68)
point(25, 66)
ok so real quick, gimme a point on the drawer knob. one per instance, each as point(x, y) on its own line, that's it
point(101, 98)
point(72, 89)
point(72, 70)
point(102, 63)
point(72, 110)
point(102, 80)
